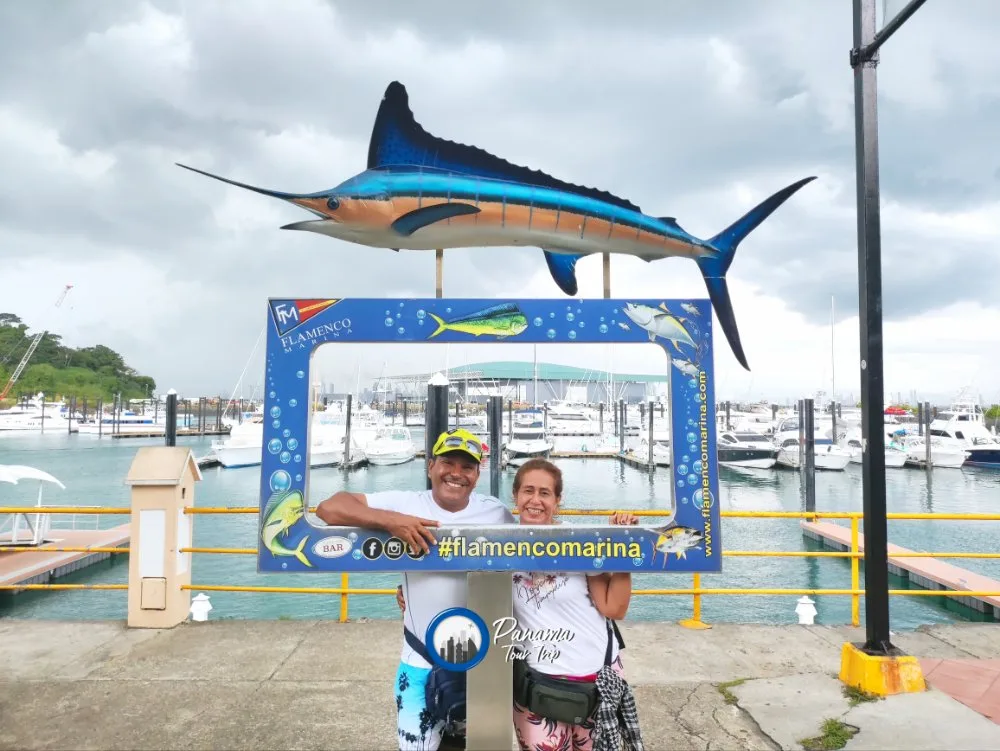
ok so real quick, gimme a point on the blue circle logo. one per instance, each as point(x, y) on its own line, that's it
point(457, 639)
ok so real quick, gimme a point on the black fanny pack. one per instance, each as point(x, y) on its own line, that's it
point(445, 691)
point(560, 699)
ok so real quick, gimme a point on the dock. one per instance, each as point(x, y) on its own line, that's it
point(41, 565)
point(928, 573)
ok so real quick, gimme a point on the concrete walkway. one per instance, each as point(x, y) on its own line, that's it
point(325, 685)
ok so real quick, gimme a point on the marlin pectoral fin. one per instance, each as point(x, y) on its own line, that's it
point(414, 220)
point(652, 336)
point(672, 222)
point(562, 266)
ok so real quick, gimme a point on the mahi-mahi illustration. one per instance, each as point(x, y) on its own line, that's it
point(505, 319)
point(422, 192)
point(280, 514)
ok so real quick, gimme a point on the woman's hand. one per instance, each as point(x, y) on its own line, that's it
point(399, 598)
point(623, 518)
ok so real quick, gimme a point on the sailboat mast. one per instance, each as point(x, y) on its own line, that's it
point(833, 354)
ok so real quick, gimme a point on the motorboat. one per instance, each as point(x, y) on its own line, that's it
point(661, 450)
point(946, 453)
point(528, 437)
point(964, 424)
point(895, 450)
point(746, 449)
point(828, 455)
point(244, 446)
point(391, 445)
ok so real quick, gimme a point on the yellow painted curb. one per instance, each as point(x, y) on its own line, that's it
point(880, 675)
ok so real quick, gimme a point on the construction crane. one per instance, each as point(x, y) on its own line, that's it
point(31, 349)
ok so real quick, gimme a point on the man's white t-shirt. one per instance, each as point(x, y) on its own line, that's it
point(426, 595)
point(575, 636)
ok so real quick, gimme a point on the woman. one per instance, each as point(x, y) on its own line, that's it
point(576, 610)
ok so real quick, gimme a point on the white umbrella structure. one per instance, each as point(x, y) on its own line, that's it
point(25, 529)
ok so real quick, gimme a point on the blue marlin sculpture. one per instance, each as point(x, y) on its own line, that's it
point(421, 192)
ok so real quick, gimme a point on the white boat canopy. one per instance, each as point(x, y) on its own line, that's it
point(13, 473)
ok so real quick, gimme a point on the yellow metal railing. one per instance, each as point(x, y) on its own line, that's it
point(696, 591)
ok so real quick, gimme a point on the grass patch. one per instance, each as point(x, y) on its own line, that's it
point(856, 696)
point(835, 735)
point(728, 695)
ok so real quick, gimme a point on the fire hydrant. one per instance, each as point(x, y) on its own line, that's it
point(806, 611)
point(200, 606)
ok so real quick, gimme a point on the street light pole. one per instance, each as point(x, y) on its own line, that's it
point(863, 61)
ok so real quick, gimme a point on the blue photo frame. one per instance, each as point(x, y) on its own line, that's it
point(289, 541)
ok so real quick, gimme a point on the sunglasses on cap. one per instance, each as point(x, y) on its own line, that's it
point(452, 442)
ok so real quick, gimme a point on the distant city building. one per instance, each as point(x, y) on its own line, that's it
point(516, 380)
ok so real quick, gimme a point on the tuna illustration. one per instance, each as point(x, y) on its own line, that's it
point(677, 540)
point(280, 514)
point(423, 192)
point(658, 322)
point(505, 319)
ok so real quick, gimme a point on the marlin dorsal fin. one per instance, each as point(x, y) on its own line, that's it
point(398, 140)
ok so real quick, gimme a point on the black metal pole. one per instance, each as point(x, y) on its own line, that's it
point(170, 430)
point(809, 453)
point(494, 419)
point(436, 419)
point(345, 463)
point(866, 43)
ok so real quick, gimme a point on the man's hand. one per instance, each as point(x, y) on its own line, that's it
point(412, 530)
point(623, 518)
point(399, 598)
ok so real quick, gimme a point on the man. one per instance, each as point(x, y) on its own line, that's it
point(453, 469)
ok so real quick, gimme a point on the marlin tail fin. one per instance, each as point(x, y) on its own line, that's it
point(300, 555)
point(441, 325)
point(713, 269)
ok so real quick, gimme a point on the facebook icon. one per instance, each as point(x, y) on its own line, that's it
point(372, 548)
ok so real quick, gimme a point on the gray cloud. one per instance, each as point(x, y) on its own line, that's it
point(664, 104)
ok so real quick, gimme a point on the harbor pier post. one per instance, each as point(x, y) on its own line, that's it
point(494, 421)
point(170, 429)
point(652, 458)
point(163, 480)
point(928, 458)
point(436, 419)
point(809, 453)
point(875, 666)
point(346, 461)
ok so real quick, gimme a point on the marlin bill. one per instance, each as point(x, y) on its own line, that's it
point(422, 192)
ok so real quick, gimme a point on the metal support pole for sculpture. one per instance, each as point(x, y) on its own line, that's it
point(439, 272)
point(876, 666)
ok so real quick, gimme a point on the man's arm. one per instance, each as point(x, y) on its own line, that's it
point(344, 509)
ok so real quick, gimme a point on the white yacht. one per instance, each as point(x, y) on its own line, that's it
point(391, 445)
point(964, 425)
point(244, 445)
point(746, 449)
point(895, 449)
point(946, 453)
point(828, 455)
point(528, 437)
point(34, 414)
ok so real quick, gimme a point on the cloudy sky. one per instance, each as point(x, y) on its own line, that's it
point(692, 110)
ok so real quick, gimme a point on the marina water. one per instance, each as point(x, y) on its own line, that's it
point(94, 471)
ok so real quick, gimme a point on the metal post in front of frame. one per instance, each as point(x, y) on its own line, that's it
point(862, 59)
point(490, 684)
